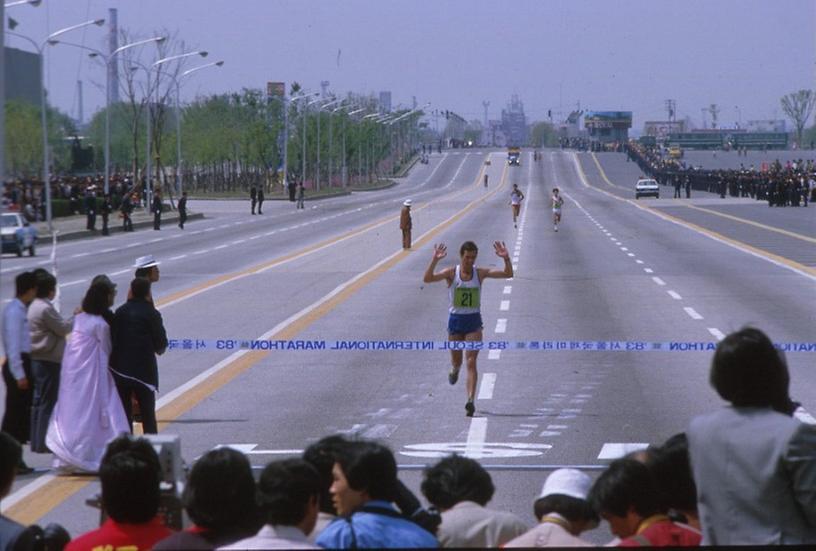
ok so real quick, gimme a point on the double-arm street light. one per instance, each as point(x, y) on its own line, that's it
point(319, 116)
point(179, 179)
point(40, 47)
point(305, 112)
point(107, 58)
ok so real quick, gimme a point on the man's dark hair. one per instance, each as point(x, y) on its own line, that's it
point(285, 489)
point(671, 467)
point(97, 299)
point(468, 246)
point(625, 483)
point(10, 455)
point(322, 455)
point(24, 282)
point(370, 467)
point(140, 287)
point(748, 371)
point(46, 283)
point(571, 508)
point(130, 474)
point(142, 272)
point(220, 493)
point(454, 479)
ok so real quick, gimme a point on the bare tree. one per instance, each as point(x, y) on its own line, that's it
point(799, 106)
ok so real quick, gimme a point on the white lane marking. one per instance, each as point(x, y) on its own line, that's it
point(255, 237)
point(624, 249)
point(202, 251)
point(648, 270)
point(237, 242)
point(630, 254)
point(494, 354)
point(501, 325)
point(220, 247)
point(477, 433)
point(508, 289)
point(486, 387)
point(674, 295)
point(515, 267)
point(78, 255)
point(803, 416)
point(120, 272)
point(110, 250)
point(195, 232)
point(611, 450)
point(179, 257)
point(209, 229)
point(719, 335)
point(692, 313)
point(505, 305)
point(26, 491)
point(658, 281)
point(77, 282)
point(155, 240)
point(639, 261)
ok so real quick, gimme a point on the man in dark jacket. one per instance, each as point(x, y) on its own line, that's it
point(156, 208)
point(138, 335)
point(90, 208)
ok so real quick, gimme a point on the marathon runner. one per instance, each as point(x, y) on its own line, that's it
point(465, 320)
point(485, 179)
point(516, 197)
point(557, 203)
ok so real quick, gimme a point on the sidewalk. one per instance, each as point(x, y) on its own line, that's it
point(73, 227)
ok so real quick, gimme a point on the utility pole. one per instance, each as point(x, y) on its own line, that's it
point(485, 104)
point(671, 108)
point(714, 110)
point(703, 112)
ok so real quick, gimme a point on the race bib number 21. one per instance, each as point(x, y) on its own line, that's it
point(466, 297)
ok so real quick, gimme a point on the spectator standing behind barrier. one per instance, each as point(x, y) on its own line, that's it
point(17, 365)
point(288, 496)
point(322, 455)
point(105, 210)
point(90, 208)
point(365, 484)
point(48, 332)
point(755, 465)
point(260, 199)
point(627, 497)
point(253, 198)
point(126, 209)
point(182, 209)
point(219, 498)
point(138, 336)
point(563, 512)
point(461, 488)
point(405, 224)
point(88, 413)
point(130, 474)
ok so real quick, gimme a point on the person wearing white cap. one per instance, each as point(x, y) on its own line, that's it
point(405, 224)
point(563, 512)
point(147, 266)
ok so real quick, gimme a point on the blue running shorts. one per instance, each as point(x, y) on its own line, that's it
point(461, 324)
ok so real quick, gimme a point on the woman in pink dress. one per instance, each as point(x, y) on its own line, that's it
point(89, 413)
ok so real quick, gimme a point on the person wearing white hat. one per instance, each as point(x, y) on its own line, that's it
point(406, 224)
point(147, 266)
point(563, 512)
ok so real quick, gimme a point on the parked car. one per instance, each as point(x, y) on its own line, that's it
point(17, 234)
point(646, 187)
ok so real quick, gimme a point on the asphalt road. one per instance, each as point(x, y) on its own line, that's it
point(618, 270)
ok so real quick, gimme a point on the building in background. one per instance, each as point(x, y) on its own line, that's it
point(22, 82)
point(385, 101)
point(660, 130)
point(514, 123)
point(770, 125)
point(605, 127)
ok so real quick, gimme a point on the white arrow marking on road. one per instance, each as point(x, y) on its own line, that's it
point(486, 450)
point(249, 449)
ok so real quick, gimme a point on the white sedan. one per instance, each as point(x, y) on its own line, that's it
point(17, 234)
point(646, 187)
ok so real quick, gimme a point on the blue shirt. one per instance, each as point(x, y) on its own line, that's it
point(373, 530)
point(16, 336)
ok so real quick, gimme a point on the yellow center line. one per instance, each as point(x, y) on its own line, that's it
point(601, 170)
point(756, 224)
point(41, 501)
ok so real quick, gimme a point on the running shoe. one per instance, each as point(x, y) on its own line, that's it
point(470, 409)
point(453, 376)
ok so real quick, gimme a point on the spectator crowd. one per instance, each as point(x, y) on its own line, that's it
point(790, 184)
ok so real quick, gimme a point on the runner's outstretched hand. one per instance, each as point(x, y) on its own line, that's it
point(501, 249)
point(440, 251)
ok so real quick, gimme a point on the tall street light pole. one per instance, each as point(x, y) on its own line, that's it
point(319, 116)
point(40, 47)
point(157, 64)
point(179, 178)
point(107, 58)
point(305, 112)
point(293, 99)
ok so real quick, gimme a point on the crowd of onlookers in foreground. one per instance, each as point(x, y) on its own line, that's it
point(744, 474)
point(790, 184)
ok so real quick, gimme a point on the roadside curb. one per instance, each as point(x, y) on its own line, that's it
point(83, 234)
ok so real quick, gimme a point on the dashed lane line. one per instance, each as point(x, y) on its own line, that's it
point(692, 313)
point(716, 333)
point(658, 281)
point(674, 295)
point(486, 386)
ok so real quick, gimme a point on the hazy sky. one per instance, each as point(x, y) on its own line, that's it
point(625, 55)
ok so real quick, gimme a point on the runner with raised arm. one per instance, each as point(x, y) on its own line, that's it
point(465, 320)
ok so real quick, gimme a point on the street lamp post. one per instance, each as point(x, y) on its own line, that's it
point(305, 112)
point(319, 116)
point(179, 179)
point(286, 138)
point(107, 59)
point(40, 47)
